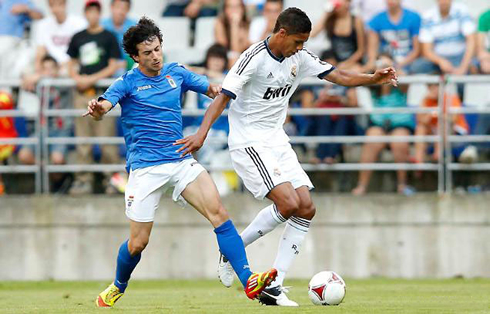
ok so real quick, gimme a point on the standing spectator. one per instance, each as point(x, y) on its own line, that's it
point(191, 8)
point(118, 24)
point(345, 32)
point(395, 32)
point(387, 124)
point(14, 15)
point(231, 29)
point(95, 51)
point(448, 39)
point(483, 52)
point(262, 27)
point(52, 36)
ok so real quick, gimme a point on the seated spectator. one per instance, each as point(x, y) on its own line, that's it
point(427, 124)
point(231, 29)
point(447, 36)
point(215, 66)
point(7, 130)
point(14, 15)
point(331, 96)
point(118, 24)
point(345, 32)
point(94, 54)
point(254, 7)
point(59, 98)
point(262, 27)
point(52, 36)
point(191, 8)
point(483, 52)
point(368, 9)
point(387, 124)
point(395, 32)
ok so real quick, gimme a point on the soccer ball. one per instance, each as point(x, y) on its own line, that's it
point(326, 288)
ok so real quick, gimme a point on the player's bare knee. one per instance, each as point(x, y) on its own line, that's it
point(289, 207)
point(137, 246)
point(218, 215)
point(307, 211)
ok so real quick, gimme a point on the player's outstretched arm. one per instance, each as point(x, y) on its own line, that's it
point(193, 142)
point(213, 90)
point(350, 78)
point(97, 109)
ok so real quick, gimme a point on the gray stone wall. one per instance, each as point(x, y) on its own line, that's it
point(66, 238)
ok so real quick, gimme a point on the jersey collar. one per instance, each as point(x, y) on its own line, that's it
point(266, 42)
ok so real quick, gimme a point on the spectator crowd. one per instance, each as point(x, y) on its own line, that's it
point(357, 35)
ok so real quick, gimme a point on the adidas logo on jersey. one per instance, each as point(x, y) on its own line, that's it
point(272, 93)
point(270, 75)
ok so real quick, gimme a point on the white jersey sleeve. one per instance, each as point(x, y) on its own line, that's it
point(311, 65)
point(242, 71)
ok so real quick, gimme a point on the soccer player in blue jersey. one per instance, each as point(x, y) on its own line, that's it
point(149, 96)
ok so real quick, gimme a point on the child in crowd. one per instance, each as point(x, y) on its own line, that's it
point(428, 124)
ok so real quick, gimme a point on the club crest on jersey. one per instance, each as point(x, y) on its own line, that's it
point(294, 70)
point(171, 81)
point(277, 172)
point(130, 200)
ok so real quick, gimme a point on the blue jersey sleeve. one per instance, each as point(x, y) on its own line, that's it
point(376, 23)
point(415, 25)
point(194, 82)
point(116, 92)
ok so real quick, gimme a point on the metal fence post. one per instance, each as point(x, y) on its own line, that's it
point(46, 85)
point(440, 126)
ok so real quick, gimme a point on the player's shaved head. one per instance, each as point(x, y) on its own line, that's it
point(294, 21)
point(145, 31)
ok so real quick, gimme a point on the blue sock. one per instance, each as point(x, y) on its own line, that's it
point(231, 246)
point(125, 266)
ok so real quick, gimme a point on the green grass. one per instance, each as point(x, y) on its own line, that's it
point(204, 296)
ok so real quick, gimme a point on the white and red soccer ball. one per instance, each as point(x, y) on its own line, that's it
point(326, 288)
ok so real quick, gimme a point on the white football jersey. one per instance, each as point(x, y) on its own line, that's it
point(261, 85)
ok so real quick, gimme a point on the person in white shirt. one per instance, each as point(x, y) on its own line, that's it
point(52, 36)
point(261, 83)
point(448, 38)
point(262, 27)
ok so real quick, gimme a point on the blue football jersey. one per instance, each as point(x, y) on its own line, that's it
point(151, 112)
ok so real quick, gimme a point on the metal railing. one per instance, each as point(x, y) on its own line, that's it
point(34, 141)
point(444, 167)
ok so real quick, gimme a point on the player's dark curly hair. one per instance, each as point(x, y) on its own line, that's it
point(294, 21)
point(145, 30)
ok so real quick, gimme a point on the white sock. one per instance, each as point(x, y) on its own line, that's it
point(265, 221)
point(289, 245)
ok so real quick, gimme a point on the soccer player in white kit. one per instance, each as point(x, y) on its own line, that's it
point(260, 84)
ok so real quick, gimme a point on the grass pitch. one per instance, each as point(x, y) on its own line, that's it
point(208, 296)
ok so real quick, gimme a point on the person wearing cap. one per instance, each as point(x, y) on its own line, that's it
point(94, 53)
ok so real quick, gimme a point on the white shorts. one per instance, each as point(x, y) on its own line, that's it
point(263, 168)
point(146, 186)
